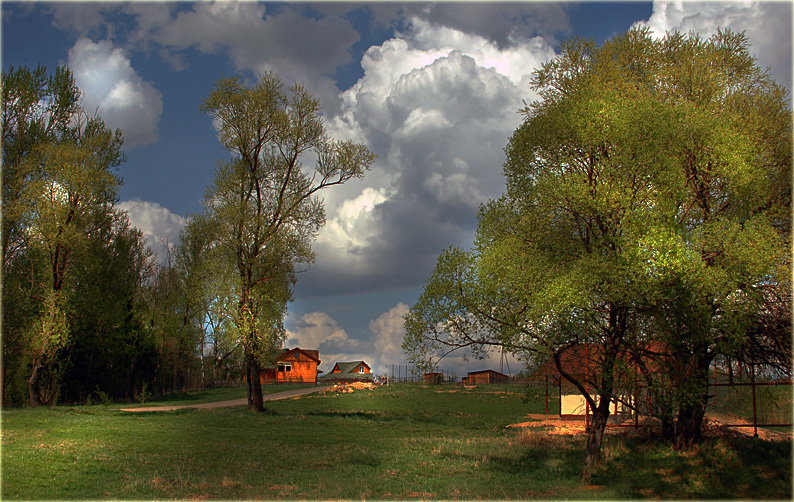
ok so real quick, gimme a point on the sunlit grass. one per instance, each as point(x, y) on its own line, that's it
point(402, 442)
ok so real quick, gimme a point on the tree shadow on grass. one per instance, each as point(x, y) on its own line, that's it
point(718, 468)
point(542, 458)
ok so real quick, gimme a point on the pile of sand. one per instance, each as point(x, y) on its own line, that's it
point(348, 388)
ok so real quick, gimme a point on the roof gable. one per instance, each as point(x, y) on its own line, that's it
point(298, 354)
point(349, 366)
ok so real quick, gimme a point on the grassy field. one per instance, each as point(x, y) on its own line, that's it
point(401, 442)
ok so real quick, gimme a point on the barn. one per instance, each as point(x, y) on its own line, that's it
point(484, 377)
point(292, 366)
point(348, 372)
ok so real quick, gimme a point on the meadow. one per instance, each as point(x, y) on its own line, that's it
point(404, 441)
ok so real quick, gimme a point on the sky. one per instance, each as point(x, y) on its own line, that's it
point(433, 89)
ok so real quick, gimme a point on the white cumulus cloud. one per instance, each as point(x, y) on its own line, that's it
point(437, 106)
point(113, 89)
point(319, 331)
point(388, 332)
point(766, 24)
point(159, 225)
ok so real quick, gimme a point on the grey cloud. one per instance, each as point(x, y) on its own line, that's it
point(346, 346)
point(502, 23)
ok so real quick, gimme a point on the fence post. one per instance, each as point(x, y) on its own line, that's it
point(752, 384)
point(547, 397)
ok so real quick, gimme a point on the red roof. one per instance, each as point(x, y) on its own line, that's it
point(480, 372)
point(580, 359)
point(576, 360)
point(314, 355)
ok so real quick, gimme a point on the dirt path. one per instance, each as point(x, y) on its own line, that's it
point(235, 402)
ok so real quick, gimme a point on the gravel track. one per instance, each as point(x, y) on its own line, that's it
point(234, 402)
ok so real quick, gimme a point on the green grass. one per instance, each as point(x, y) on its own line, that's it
point(401, 442)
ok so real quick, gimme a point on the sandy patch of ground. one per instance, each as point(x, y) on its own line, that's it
point(714, 425)
point(349, 388)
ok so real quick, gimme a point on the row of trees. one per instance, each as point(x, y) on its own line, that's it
point(646, 216)
point(85, 307)
point(87, 310)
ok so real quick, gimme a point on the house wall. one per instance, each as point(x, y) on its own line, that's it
point(484, 378)
point(302, 371)
point(573, 403)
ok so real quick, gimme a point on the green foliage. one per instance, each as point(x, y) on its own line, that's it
point(103, 396)
point(72, 267)
point(639, 191)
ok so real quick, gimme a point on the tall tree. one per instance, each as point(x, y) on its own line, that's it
point(264, 208)
point(603, 239)
point(59, 189)
point(37, 108)
point(733, 153)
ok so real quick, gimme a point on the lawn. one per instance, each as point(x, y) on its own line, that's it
point(404, 441)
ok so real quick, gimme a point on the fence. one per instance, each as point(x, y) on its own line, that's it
point(750, 395)
point(740, 395)
point(403, 373)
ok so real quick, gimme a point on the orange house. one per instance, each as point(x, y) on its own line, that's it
point(293, 366)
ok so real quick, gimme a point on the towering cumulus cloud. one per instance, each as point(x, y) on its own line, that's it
point(437, 105)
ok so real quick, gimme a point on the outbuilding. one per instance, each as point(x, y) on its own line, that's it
point(580, 362)
point(484, 377)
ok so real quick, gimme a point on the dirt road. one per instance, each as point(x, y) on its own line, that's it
point(235, 402)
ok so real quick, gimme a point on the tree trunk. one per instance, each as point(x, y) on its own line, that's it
point(595, 436)
point(33, 382)
point(688, 426)
point(693, 399)
point(255, 400)
point(668, 423)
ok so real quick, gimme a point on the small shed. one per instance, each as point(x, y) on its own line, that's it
point(484, 377)
point(292, 366)
point(348, 372)
point(580, 362)
point(433, 377)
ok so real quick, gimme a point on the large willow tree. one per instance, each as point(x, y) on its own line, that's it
point(645, 213)
point(263, 207)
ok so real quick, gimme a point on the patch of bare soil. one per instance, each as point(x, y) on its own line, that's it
point(714, 425)
point(718, 424)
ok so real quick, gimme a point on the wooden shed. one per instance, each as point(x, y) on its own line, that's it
point(582, 363)
point(292, 366)
point(347, 372)
point(433, 377)
point(484, 377)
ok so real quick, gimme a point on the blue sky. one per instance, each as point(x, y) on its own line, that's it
point(433, 89)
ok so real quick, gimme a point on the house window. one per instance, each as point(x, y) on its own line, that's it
point(284, 367)
point(361, 369)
